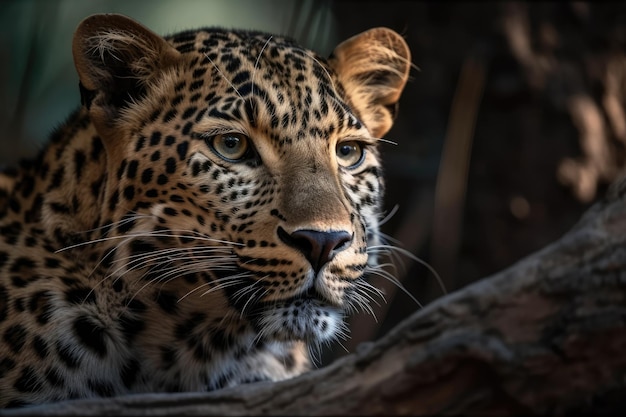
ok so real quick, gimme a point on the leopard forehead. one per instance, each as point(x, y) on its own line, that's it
point(259, 83)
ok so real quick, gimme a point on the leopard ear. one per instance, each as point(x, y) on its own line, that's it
point(115, 58)
point(373, 68)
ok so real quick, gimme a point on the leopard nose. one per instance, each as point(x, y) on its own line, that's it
point(318, 247)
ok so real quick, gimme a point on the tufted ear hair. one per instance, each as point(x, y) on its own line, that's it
point(115, 58)
point(373, 68)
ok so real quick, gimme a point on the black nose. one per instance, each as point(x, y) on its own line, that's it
point(318, 247)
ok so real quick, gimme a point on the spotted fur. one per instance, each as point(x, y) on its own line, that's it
point(203, 220)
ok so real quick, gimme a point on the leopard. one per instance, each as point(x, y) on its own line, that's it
point(207, 217)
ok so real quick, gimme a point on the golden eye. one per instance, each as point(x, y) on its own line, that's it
point(350, 154)
point(230, 146)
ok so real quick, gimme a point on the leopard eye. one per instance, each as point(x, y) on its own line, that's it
point(233, 147)
point(350, 154)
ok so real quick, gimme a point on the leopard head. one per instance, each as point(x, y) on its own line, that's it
point(242, 170)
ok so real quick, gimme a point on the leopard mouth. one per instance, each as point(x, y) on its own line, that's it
point(310, 297)
point(312, 294)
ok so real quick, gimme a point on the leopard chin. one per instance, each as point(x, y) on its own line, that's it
point(304, 317)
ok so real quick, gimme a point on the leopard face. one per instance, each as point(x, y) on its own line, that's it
point(216, 200)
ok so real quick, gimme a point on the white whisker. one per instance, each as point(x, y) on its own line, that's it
point(258, 58)
point(214, 284)
point(151, 234)
point(222, 74)
point(390, 142)
point(310, 55)
point(385, 219)
point(387, 276)
point(195, 289)
point(414, 258)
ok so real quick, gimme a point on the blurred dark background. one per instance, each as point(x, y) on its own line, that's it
point(510, 129)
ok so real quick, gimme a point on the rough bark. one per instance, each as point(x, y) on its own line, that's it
point(546, 335)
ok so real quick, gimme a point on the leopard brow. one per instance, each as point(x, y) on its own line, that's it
point(368, 141)
point(220, 130)
point(232, 118)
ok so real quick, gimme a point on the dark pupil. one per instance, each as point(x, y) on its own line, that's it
point(345, 150)
point(231, 142)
